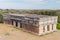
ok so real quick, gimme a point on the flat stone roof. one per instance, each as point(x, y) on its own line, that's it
point(30, 15)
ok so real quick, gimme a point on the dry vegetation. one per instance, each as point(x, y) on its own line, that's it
point(8, 32)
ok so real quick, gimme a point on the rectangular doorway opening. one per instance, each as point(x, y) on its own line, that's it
point(16, 24)
point(20, 25)
point(48, 28)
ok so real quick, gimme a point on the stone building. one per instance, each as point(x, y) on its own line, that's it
point(33, 23)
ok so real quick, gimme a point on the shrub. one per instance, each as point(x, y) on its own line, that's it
point(58, 26)
point(1, 18)
point(7, 34)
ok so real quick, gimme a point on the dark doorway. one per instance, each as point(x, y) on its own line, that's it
point(52, 26)
point(43, 28)
point(20, 25)
point(47, 27)
point(16, 24)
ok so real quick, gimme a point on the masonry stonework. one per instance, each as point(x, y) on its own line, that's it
point(33, 23)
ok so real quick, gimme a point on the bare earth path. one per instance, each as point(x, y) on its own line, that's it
point(7, 32)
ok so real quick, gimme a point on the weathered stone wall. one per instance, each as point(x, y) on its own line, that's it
point(51, 21)
point(33, 24)
point(30, 28)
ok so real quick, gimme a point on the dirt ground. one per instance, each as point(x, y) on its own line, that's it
point(8, 32)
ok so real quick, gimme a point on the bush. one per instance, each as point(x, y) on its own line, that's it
point(1, 18)
point(58, 26)
point(7, 34)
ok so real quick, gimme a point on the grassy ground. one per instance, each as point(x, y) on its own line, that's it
point(58, 26)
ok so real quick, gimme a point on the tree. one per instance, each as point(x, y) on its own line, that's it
point(1, 18)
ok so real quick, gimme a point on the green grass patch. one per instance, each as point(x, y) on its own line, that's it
point(58, 26)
